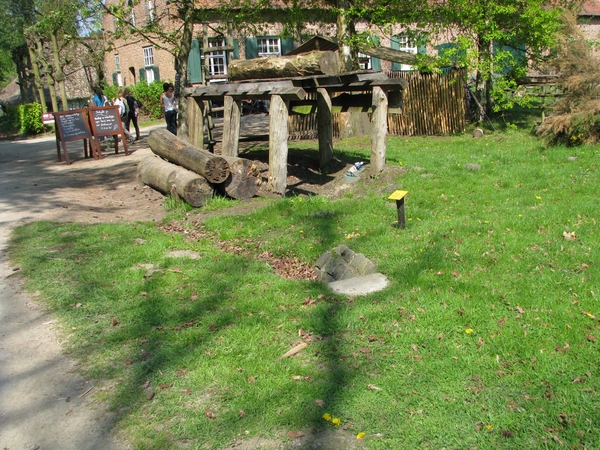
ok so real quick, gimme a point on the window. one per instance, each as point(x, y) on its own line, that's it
point(269, 47)
point(148, 56)
point(117, 77)
point(149, 75)
point(149, 9)
point(217, 60)
point(403, 43)
point(364, 61)
point(132, 13)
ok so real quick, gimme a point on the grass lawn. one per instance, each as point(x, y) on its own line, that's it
point(486, 337)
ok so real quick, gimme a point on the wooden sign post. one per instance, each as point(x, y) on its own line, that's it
point(106, 121)
point(71, 126)
point(399, 197)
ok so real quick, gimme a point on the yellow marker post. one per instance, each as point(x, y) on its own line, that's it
point(399, 197)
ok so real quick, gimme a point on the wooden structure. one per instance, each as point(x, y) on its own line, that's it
point(106, 121)
point(383, 94)
point(72, 126)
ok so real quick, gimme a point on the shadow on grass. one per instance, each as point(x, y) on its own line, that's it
point(144, 336)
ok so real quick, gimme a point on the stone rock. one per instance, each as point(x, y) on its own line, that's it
point(472, 166)
point(361, 285)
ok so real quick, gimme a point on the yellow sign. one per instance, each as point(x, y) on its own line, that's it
point(397, 195)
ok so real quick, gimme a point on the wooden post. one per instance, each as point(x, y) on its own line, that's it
point(379, 133)
point(324, 127)
point(195, 123)
point(278, 146)
point(399, 197)
point(231, 126)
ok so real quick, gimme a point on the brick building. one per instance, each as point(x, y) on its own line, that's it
point(134, 60)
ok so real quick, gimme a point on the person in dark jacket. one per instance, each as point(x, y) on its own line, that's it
point(134, 110)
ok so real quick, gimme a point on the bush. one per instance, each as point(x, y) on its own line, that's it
point(22, 119)
point(149, 95)
point(10, 122)
point(31, 119)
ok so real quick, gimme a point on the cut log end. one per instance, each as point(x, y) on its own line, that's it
point(217, 170)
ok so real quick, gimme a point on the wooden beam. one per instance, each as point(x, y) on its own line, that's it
point(379, 130)
point(231, 126)
point(324, 127)
point(278, 147)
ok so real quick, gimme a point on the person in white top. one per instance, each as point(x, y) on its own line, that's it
point(121, 102)
point(169, 107)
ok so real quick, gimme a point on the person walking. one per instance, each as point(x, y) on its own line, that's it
point(99, 98)
point(134, 111)
point(121, 102)
point(169, 107)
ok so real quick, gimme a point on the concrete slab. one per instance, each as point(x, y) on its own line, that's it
point(360, 285)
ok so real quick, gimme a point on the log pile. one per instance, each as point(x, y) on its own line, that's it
point(194, 174)
point(289, 66)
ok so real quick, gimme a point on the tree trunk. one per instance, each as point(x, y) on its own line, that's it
point(345, 32)
point(243, 181)
point(47, 68)
point(169, 178)
point(186, 14)
point(59, 75)
point(37, 78)
point(306, 64)
point(163, 143)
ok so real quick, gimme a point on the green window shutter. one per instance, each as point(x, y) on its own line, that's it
point(287, 45)
point(395, 44)
point(422, 49)
point(156, 73)
point(251, 48)
point(236, 49)
point(115, 80)
point(195, 63)
point(518, 54)
point(143, 74)
point(376, 62)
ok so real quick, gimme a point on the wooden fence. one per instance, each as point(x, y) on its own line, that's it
point(433, 104)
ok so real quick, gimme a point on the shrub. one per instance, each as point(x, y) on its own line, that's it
point(31, 118)
point(10, 122)
point(149, 95)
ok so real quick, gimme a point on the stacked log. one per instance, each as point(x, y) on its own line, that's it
point(241, 181)
point(165, 144)
point(170, 178)
point(305, 64)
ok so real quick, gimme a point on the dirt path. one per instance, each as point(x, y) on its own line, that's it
point(44, 404)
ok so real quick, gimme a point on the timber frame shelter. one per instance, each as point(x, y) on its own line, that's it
point(373, 92)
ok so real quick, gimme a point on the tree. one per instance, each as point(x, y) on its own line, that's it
point(163, 33)
point(497, 40)
point(34, 29)
point(15, 15)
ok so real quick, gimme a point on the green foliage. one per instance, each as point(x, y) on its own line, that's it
point(149, 95)
point(23, 119)
point(31, 119)
point(111, 92)
point(10, 123)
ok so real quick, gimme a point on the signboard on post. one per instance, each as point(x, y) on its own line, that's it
point(71, 126)
point(106, 121)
